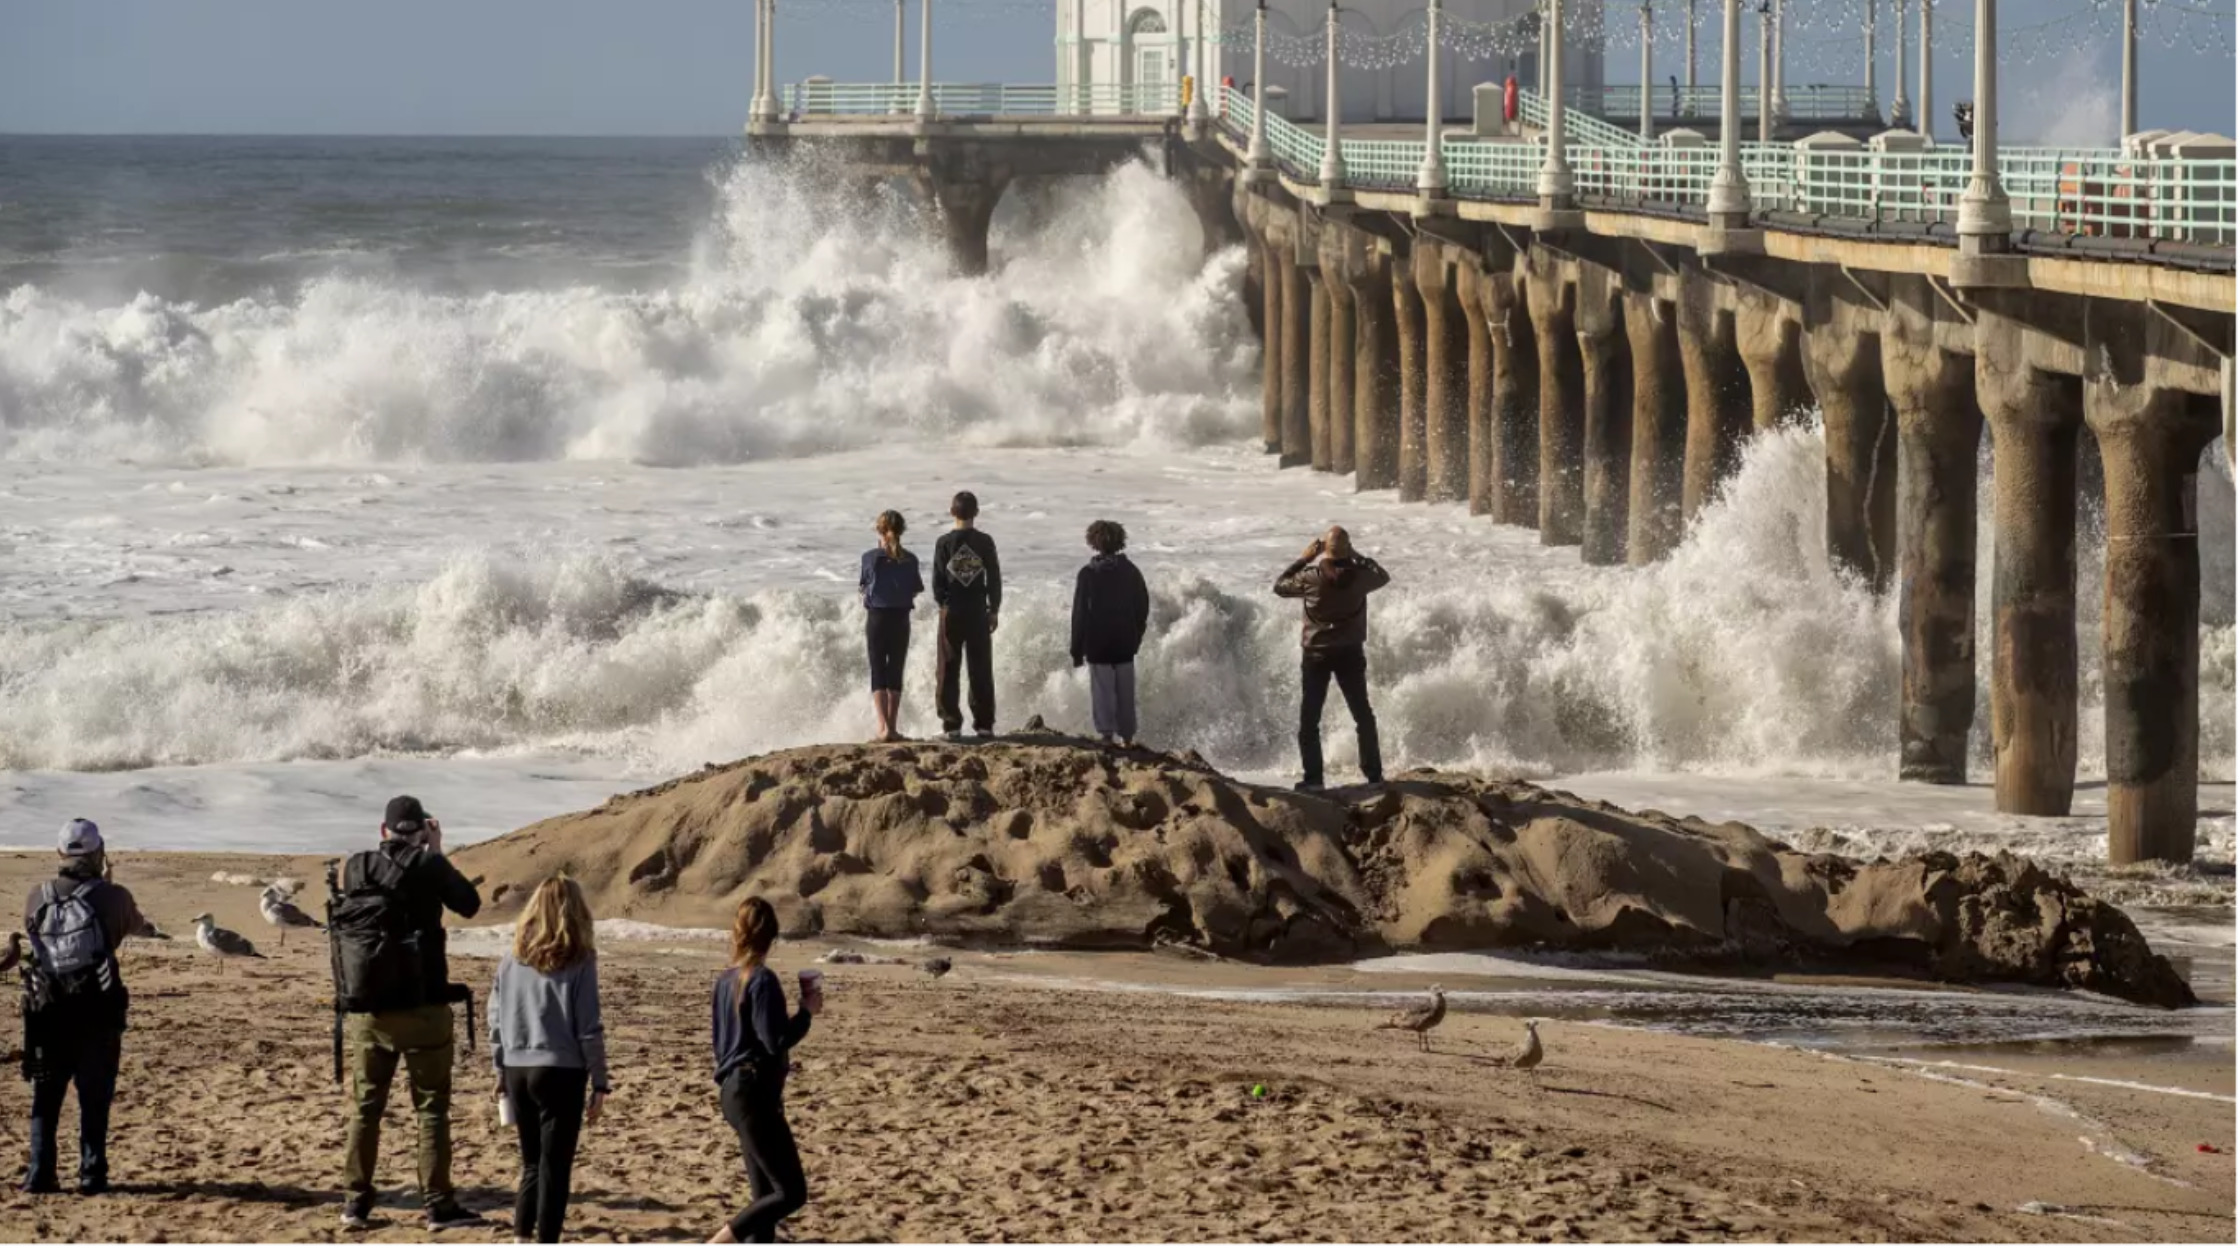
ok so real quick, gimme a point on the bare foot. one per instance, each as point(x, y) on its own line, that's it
point(722, 1236)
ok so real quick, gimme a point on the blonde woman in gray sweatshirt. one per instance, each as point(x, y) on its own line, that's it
point(550, 1048)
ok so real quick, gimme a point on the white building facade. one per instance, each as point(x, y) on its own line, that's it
point(1151, 44)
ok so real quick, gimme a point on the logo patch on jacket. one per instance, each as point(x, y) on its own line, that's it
point(966, 568)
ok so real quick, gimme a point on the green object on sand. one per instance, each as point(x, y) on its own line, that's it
point(1259, 1091)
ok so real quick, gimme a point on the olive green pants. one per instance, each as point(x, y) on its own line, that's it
point(422, 1038)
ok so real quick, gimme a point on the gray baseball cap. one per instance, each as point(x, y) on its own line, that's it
point(80, 838)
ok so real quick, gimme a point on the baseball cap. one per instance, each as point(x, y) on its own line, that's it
point(80, 838)
point(405, 817)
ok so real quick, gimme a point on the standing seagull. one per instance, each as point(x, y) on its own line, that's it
point(283, 914)
point(14, 954)
point(217, 940)
point(1422, 1018)
point(1528, 1055)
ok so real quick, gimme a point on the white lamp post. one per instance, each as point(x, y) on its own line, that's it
point(1780, 61)
point(1333, 159)
point(1985, 219)
point(1927, 116)
point(1555, 185)
point(1431, 177)
point(1648, 124)
point(1256, 153)
point(765, 97)
point(1901, 111)
point(1729, 203)
point(1205, 65)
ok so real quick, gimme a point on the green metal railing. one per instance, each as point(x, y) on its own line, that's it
point(1815, 102)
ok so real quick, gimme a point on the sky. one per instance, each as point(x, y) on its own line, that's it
point(685, 67)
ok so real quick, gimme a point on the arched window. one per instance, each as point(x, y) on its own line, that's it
point(1147, 22)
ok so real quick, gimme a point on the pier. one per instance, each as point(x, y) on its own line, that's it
point(1573, 327)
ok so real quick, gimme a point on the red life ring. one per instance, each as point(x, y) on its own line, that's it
point(1509, 99)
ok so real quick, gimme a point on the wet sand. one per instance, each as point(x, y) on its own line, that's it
point(997, 1105)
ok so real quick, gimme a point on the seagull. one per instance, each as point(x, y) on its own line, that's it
point(224, 944)
point(1422, 1018)
point(935, 967)
point(283, 914)
point(1528, 1055)
point(14, 954)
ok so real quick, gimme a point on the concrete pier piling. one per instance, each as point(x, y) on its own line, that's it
point(1337, 269)
point(1719, 416)
point(1318, 369)
point(2034, 418)
point(1770, 336)
point(1376, 375)
point(1660, 429)
point(1939, 431)
point(2150, 439)
point(1843, 362)
point(1515, 403)
point(1272, 273)
point(1606, 405)
point(1298, 356)
point(1473, 282)
point(1552, 299)
point(1446, 378)
point(1407, 310)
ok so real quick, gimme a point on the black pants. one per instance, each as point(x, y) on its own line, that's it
point(88, 1060)
point(1350, 666)
point(758, 1115)
point(548, 1117)
point(964, 644)
point(886, 636)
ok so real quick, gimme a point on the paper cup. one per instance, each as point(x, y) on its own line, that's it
point(812, 984)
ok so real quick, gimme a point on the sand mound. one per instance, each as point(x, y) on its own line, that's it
point(1049, 841)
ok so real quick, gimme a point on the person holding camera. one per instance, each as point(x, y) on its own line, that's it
point(74, 1005)
point(394, 987)
point(1334, 582)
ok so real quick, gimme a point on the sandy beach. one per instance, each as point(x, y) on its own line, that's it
point(1071, 1097)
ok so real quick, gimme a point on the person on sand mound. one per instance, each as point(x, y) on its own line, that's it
point(396, 993)
point(74, 1005)
point(968, 589)
point(1111, 607)
point(754, 1038)
point(890, 584)
point(549, 1045)
point(1334, 580)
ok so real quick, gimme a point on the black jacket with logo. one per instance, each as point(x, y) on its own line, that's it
point(967, 578)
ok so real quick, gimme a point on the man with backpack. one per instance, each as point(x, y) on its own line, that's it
point(74, 1005)
point(393, 986)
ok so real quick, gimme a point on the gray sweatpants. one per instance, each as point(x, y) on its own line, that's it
point(1112, 699)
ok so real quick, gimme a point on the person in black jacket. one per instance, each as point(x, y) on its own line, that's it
point(1334, 581)
point(1111, 607)
point(968, 589)
point(754, 1041)
point(75, 1005)
point(415, 1027)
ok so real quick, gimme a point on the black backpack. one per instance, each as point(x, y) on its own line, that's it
point(70, 956)
point(379, 963)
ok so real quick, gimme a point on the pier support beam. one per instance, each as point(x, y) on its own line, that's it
point(1318, 368)
point(1472, 281)
point(1515, 402)
point(966, 203)
point(1843, 361)
point(1718, 392)
point(1407, 310)
point(1446, 379)
point(1298, 320)
point(1939, 431)
point(1552, 299)
point(1272, 273)
point(1770, 335)
point(1606, 363)
point(1660, 429)
point(1339, 245)
point(2034, 418)
point(1376, 376)
point(2150, 441)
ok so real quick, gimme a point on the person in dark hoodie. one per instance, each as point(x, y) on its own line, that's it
point(754, 1041)
point(1334, 580)
point(890, 584)
point(411, 1023)
point(1111, 607)
point(74, 1005)
point(968, 589)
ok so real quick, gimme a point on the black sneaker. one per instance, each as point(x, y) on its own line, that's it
point(451, 1216)
point(1306, 785)
point(42, 1185)
point(983, 735)
point(94, 1185)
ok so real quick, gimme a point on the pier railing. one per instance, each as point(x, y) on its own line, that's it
point(2075, 192)
point(1815, 102)
point(816, 98)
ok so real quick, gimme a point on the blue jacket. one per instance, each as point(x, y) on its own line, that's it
point(757, 1031)
point(889, 583)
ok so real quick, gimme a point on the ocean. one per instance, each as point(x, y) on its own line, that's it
point(518, 472)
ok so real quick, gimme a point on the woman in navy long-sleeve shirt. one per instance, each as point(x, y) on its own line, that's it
point(890, 583)
point(754, 1037)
